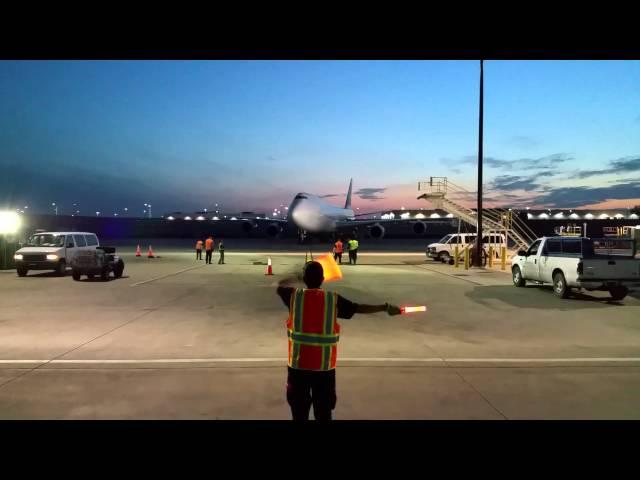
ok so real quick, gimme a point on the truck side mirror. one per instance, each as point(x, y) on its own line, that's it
point(522, 253)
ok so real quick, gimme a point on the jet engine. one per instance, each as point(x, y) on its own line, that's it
point(376, 231)
point(419, 228)
point(273, 230)
point(248, 227)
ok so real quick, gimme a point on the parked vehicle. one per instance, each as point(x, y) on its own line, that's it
point(53, 251)
point(574, 262)
point(102, 261)
point(444, 249)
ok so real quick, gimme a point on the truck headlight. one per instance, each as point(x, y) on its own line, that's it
point(18, 256)
point(52, 256)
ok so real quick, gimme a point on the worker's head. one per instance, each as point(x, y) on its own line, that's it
point(313, 274)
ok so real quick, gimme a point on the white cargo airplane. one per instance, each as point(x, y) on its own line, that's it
point(310, 214)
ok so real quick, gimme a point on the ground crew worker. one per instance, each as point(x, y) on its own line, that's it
point(199, 250)
point(221, 250)
point(313, 333)
point(353, 250)
point(337, 251)
point(208, 244)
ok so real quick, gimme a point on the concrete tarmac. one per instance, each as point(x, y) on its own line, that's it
point(175, 338)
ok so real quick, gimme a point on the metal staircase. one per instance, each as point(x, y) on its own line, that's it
point(519, 235)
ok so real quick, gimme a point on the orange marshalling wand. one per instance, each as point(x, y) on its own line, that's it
point(329, 267)
point(421, 308)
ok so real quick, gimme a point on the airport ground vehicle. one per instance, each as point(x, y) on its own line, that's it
point(101, 261)
point(444, 249)
point(53, 251)
point(574, 262)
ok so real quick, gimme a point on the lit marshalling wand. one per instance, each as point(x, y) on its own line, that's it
point(421, 308)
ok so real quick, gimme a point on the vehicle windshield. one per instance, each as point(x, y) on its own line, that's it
point(445, 239)
point(46, 240)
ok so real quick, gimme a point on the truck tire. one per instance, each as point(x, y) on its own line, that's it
point(104, 274)
point(76, 275)
point(117, 272)
point(560, 285)
point(61, 271)
point(618, 293)
point(516, 275)
point(22, 272)
point(444, 257)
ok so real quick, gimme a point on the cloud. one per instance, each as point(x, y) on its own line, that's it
point(572, 197)
point(514, 182)
point(588, 173)
point(370, 193)
point(524, 142)
point(330, 195)
point(547, 162)
point(622, 165)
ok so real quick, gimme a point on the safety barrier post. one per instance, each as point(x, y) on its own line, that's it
point(456, 259)
point(466, 258)
point(490, 256)
point(503, 259)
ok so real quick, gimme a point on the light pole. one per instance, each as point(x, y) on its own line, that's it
point(478, 256)
point(55, 207)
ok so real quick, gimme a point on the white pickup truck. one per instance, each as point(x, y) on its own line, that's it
point(572, 262)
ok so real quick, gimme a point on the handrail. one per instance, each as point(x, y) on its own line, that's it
point(493, 218)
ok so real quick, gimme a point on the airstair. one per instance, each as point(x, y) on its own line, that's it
point(519, 235)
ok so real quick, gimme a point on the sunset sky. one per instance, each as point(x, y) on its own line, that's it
point(184, 135)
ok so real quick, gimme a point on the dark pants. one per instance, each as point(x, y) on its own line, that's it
point(306, 388)
point(208, 256)
point(338, 256)
point(221, 257)
point(198, 254)
point(353, 256)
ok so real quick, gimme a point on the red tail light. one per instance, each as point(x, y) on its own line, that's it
point(580, 268)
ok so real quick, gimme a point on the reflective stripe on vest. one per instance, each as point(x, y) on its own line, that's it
point(313, 339)
point(309, 349)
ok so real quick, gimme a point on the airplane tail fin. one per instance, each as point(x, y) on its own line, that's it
point(347, 203)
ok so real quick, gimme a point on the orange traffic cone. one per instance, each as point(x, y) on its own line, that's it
point(150, 253)
point(269, 269)
point(138, 252)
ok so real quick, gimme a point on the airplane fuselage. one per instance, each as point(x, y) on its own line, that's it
point(310, 213)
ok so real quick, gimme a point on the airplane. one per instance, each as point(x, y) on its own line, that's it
point(311, 215)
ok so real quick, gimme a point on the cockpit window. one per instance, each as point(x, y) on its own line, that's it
point(301, 197)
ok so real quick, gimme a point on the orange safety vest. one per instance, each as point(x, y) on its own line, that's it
point(338, 246)
point(313, 330)
point(199, 245)
point(209, 244)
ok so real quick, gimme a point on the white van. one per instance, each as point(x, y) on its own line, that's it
point(53, 251)
point(444, 249)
